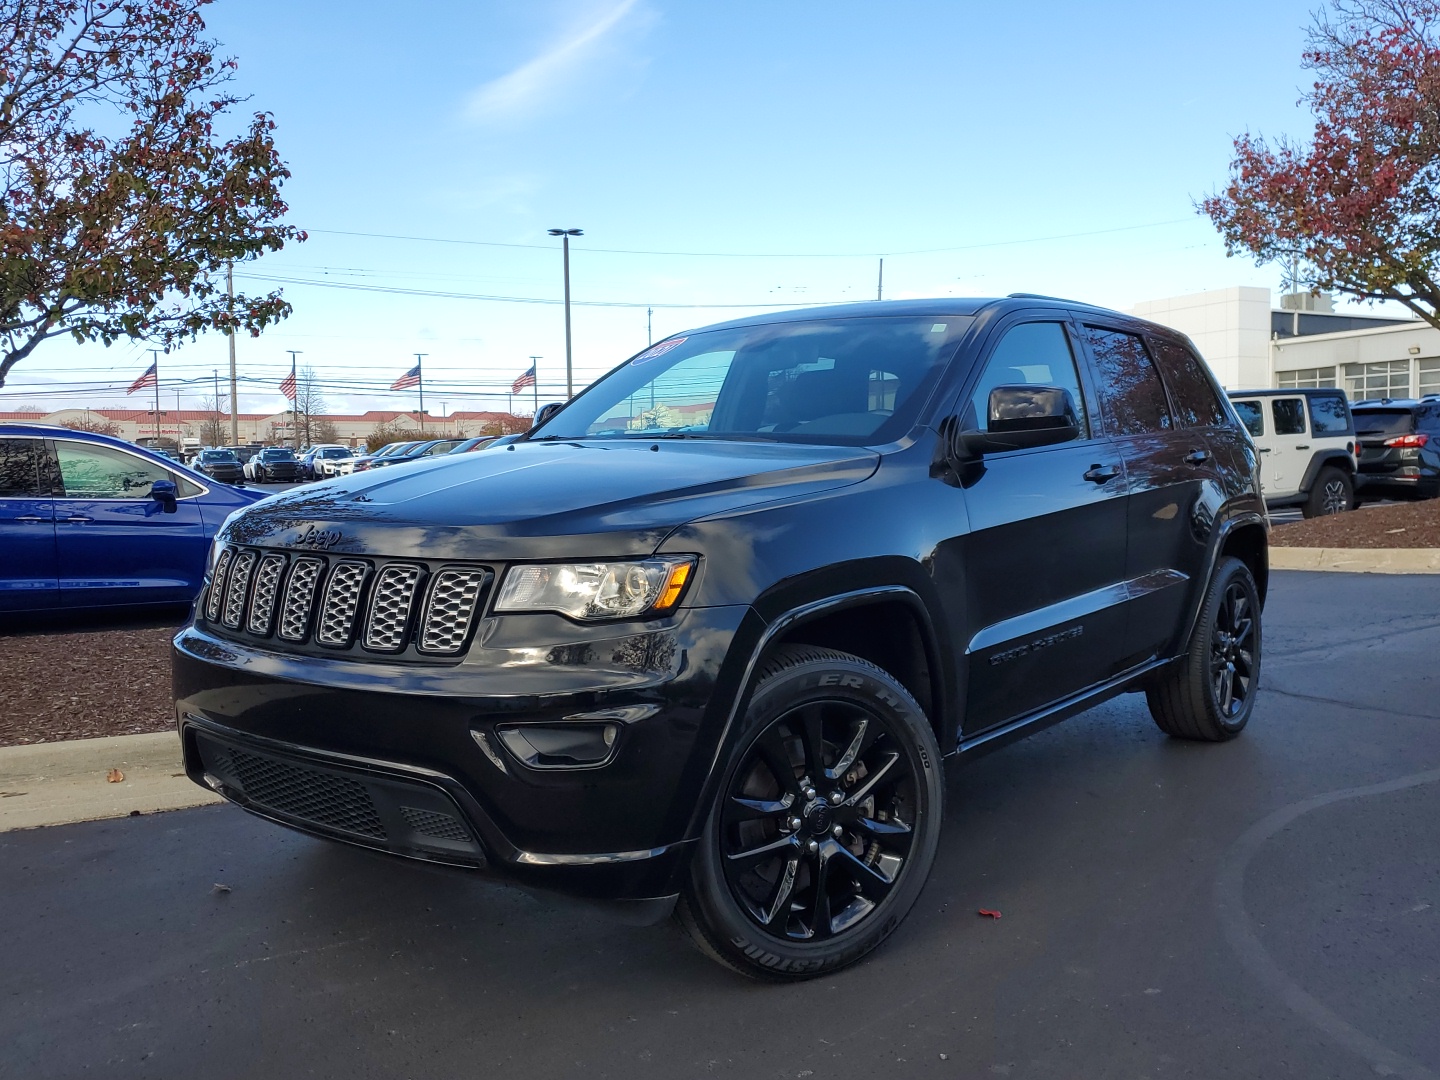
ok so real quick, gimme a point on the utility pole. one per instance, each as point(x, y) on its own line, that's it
point(295, 401)
point(234, 381)
point(215, 427)
point(155, 355)
point(565, 235)
point(649, 334)
point(880, 283)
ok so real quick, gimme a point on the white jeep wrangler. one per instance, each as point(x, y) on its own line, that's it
point(1306, 440)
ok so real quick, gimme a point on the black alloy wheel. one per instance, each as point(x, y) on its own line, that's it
point(826, 825)
point(1333, 493)
point(1232, 651)
point(1208, 693)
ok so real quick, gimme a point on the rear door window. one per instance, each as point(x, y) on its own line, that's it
point(1197, 404)
point(1131, 394)
point(101, 472)
point(1289, 415)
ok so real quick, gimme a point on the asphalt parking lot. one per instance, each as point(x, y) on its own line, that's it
point(1265, 908)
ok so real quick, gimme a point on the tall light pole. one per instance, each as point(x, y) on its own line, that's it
point(565, 235)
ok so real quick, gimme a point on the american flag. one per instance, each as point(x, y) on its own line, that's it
point(527, 379)
point(287, 385)
point(410, 378)
point(148, 379)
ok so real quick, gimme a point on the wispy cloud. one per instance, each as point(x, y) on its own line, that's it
point(539, 81)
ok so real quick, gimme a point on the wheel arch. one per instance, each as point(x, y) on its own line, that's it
point(1338, 459)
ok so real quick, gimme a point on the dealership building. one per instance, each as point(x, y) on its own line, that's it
point(1252, 345)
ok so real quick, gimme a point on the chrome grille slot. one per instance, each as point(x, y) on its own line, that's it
point(216, 596)
point(267, 586)
point(341, 604)
point(389, 614)
point(299, 598)
point(239, 586)
point(450, 609)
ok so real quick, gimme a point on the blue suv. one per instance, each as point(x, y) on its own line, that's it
point(87, 521)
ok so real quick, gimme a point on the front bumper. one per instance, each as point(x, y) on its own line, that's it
point(386, 756)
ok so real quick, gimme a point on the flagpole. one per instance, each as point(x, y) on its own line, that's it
point(535, 370)
point(420, 382)
point(156, 365)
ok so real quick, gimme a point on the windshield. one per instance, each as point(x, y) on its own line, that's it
point(217, 455)
point(1384, 422)
point(334, 452)
point(845, 381)
point(277, 455)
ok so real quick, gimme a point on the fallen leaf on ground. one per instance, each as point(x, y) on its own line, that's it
point(991, 914)
point(115, 776)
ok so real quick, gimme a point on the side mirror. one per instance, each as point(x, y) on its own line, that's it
point(164, 492)
point(546, 412)
point(1020, 418)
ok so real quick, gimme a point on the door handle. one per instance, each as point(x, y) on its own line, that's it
point(1197, 457)
point(1303, 446)
point(1263, 449)
point(1101, 474)
point(79, 519)
point(30, 519)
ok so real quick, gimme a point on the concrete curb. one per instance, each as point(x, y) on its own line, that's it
point(1358, 560)
point(64, 782)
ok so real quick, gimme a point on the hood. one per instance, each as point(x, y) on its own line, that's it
point(543, 500)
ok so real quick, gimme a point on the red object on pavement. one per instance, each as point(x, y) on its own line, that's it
point(992, 914)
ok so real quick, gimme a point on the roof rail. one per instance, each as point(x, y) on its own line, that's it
point(1042, 296)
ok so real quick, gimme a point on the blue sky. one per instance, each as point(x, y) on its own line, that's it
point(744, 153)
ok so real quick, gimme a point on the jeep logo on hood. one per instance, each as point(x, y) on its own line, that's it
point(319, 539)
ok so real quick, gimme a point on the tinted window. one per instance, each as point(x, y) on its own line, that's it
point(20, 469)
point(1251, 416)
point(102, 472)
point(1384, 422)
point(1032, 354)
point(1289, 414)
point(1130, 391)
point(1329, 414)
point(1196, 401)
point(218, 455)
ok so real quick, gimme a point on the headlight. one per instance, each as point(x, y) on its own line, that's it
point(608, 590)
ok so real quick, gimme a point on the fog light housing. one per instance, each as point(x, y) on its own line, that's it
point(560, 746)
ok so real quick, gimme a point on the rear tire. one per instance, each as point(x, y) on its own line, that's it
point(1332, 493)
point(1209, 692)
point(825, 824)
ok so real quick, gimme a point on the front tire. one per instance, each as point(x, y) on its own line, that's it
point(1332, 493)
point(1209, 693)
point(825, 824)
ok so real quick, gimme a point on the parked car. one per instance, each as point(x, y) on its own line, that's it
point(367, 461)
point(1307, 444)
point(322, 462)
point(1399, 447)
point(89, 521)
point(708, 657)
point(417, 451)
point(468, 445)
point(273, 463)
point(245, 453)
point(221, 463)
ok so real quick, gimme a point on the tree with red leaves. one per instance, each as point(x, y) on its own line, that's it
point(120, 201)
point(1359, 206)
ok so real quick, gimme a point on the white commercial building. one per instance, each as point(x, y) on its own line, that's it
point(1251, 345)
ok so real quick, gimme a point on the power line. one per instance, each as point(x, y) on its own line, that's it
point(758, 254)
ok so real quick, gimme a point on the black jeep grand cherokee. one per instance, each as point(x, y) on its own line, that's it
point(706, 633)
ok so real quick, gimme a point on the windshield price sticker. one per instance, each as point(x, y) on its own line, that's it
point(657, 350)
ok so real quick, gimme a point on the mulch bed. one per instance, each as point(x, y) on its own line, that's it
point(1385, 525)
point(80, 683)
